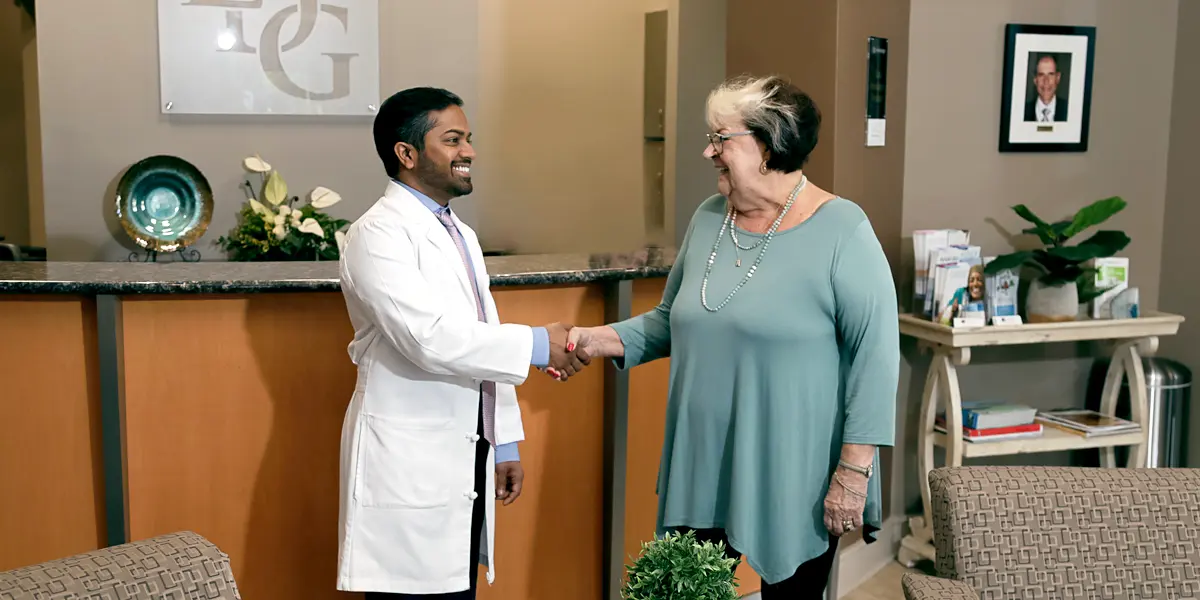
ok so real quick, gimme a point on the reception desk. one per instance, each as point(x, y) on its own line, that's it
point(141, 399)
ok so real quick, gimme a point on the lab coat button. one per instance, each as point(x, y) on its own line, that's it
point(473, 438)
point(471, 495)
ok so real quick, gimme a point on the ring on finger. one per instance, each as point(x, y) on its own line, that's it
point(847, 525)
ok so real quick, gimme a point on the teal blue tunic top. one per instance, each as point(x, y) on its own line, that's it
point(764, 392)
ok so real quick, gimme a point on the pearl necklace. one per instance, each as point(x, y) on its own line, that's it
point(766, 242)
point(733, 228)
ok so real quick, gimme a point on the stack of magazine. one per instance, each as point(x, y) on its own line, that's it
point(950, 286)
point(1087, 423)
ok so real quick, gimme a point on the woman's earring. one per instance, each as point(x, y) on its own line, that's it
point(763, 168)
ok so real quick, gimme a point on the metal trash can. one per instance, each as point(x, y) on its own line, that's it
point(1168, 394)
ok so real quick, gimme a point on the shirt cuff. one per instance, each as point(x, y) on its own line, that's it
point(541, 348)
point(507, 453)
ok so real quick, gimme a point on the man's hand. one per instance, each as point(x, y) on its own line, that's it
point(509, 477)
point(564, 363)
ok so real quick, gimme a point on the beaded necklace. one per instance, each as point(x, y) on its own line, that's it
point(766, 241)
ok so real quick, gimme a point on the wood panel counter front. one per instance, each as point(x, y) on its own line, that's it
point(233, 382)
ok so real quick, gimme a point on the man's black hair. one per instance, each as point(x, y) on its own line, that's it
point(405, 117)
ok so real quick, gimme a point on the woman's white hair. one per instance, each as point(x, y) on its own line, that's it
point(781, 116)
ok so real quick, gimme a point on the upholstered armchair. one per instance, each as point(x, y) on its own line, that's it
point(178, 565)
point(1062, 532)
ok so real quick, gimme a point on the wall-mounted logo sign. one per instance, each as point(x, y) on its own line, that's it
point(310, 57)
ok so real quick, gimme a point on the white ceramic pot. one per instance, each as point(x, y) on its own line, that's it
point(1051, 303)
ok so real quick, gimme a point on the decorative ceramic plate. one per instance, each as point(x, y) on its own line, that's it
point(164, 203)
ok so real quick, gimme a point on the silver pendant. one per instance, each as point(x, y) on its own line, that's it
point(739, 262)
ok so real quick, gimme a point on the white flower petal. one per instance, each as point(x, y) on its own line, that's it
point(310, 225)
point(275, 189)
point(254, 164)
point(260, 208)
point(279, 232)
point(323, 197)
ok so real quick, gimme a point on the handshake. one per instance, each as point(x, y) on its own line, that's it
point(569, 353)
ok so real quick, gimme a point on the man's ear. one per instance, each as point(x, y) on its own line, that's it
point(407, 155)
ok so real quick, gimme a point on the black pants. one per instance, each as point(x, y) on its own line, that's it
point(477, 516)
point(809, 580)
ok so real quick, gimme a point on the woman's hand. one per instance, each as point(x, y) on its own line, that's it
point(845, 502)
point(591, 342)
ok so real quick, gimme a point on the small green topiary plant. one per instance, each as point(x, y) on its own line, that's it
point(677, 567)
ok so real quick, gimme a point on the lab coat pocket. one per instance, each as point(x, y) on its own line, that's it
point(403, 463)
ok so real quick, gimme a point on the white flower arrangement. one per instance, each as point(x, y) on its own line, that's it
point(272, 227)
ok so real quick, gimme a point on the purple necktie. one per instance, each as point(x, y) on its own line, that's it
point(489, 387)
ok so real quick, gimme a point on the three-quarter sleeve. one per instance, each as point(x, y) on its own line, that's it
point(647, 337)
point(868, 327)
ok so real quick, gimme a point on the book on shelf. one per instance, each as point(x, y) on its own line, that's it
point(994, 434)
point(991, 415)
point(1087, 423)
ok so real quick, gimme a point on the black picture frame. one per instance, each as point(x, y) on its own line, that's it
point(1030, 52)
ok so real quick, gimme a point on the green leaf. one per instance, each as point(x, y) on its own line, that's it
point(1043, 229)
point(1102, 244)
point(275, 189)
point(1094, 214)
point(1007, 261)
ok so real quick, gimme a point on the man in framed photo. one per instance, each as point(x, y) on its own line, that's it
point(1048, 105)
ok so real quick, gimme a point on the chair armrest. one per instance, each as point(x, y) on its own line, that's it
point(178, 565)
point(925, 587)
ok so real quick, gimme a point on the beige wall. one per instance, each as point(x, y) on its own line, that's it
point(554, 95)
point(1180, 289)
point(955, 177)
point(696, 60)
point(15, 30)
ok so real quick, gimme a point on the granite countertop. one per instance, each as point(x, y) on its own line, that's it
point(90, 278)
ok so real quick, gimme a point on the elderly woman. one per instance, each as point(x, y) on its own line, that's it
point(779, 316)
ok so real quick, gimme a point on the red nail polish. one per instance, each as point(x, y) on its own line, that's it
point(570, 347)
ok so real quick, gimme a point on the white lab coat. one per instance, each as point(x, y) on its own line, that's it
point(408, 439)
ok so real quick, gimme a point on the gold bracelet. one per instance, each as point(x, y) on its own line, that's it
point(838, 479)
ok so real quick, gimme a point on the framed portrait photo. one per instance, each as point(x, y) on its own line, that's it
point(1046, 102)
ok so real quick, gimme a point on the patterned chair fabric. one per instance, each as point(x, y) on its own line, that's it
point(925, 587)
point(1069, 532)
point(176, 566)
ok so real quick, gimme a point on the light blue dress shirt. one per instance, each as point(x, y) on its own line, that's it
point(541, 339)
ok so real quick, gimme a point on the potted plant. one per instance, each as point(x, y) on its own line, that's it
point(1064, 281)
point(273, 226)
point(677, 567)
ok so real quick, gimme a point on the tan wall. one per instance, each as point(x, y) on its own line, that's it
point(1180, 289)
point(955, 177)
point(873, 177)
point(15, 28)
point(795, 40)
point(553, 93)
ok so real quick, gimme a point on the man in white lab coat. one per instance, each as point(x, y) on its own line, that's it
point(435, 406)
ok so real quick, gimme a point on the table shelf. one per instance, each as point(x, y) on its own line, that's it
point(951, 349)
point(1152, 324)
point(1051, 440)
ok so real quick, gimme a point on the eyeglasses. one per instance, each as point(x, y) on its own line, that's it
point(716, 139)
